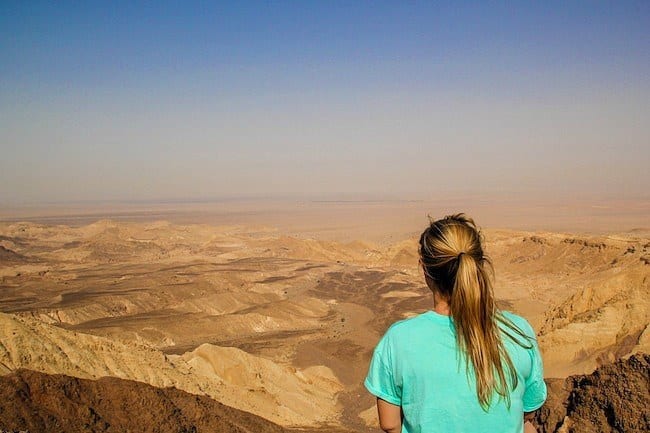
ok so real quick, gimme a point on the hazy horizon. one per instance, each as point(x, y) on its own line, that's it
point(122, 102)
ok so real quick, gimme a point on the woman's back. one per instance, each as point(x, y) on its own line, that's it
point(416, 366)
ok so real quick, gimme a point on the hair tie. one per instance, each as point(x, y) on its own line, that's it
point(460, 254)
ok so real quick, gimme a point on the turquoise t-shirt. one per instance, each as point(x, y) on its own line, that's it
point(417, 366)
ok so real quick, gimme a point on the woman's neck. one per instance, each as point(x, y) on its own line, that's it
point(440, 304)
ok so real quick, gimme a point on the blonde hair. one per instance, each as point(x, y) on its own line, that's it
point(452, 257)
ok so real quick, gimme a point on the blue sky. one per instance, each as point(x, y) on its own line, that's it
point(127, 100)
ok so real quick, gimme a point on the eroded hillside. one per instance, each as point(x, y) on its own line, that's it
point(283, 326)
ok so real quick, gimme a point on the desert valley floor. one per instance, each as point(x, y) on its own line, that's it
point(282, 325)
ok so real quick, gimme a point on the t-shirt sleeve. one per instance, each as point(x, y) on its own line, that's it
point(535, 392)
point(380, 380)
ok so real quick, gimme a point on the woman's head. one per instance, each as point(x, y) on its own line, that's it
point(448, 245)
point(451, 254)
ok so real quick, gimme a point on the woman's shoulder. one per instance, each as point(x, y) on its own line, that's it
point(519, 321)
point(413, 323)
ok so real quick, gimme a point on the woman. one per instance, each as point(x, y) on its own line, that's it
point(464, 366)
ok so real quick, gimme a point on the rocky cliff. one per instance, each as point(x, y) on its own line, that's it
point(613, 399)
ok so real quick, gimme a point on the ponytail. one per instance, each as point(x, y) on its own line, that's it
point(473, 310)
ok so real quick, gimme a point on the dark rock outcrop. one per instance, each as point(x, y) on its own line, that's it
point(613, 399)
point(10, 256)
point(38, 402)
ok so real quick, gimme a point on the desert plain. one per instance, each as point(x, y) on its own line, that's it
point(272, 309)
